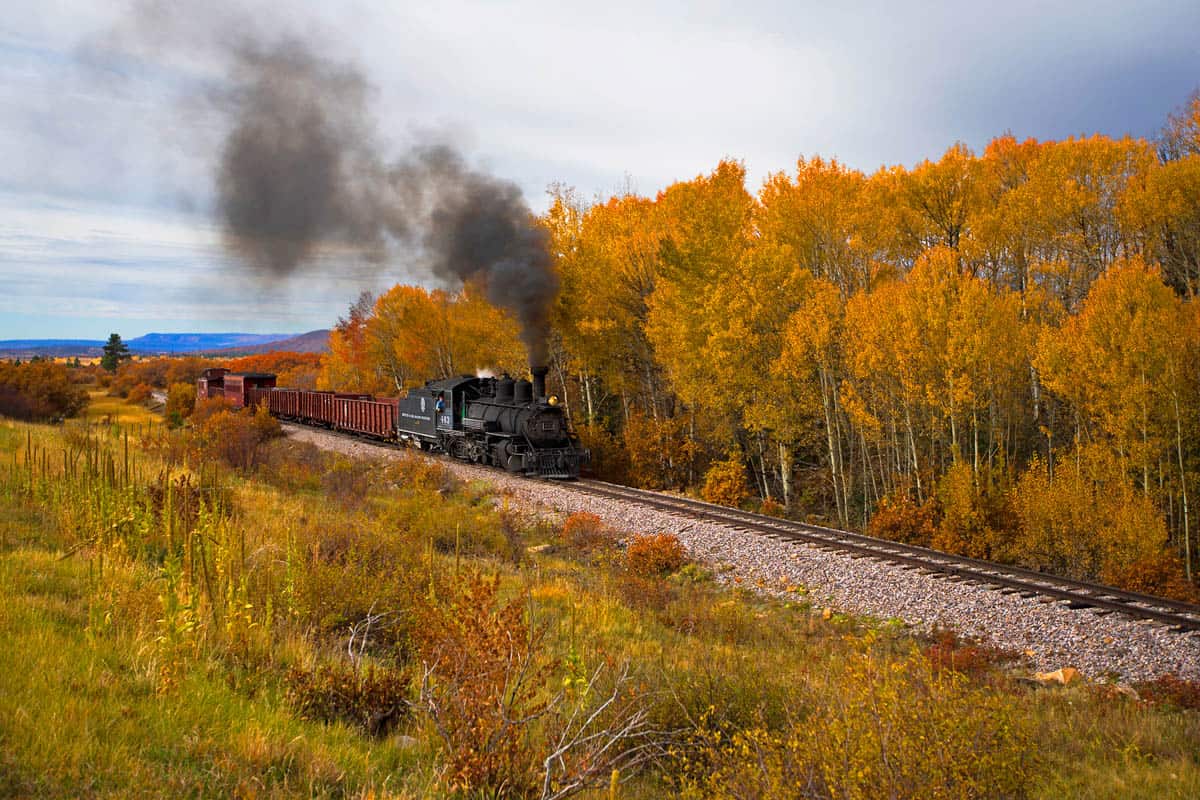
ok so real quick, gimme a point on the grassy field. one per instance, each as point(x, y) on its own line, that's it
point(312, 626)
point(114, 410)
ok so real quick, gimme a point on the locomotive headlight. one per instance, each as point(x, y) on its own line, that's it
point(553, 400)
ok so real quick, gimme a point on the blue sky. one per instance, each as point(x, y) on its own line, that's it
point(106, 174)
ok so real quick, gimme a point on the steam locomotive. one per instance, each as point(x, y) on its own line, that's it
point(512, 424)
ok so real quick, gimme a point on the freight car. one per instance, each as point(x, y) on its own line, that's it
point(512, 424)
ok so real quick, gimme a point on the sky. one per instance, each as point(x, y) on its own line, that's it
point(108, 142)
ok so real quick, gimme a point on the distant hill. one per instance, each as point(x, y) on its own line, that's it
point(50, 348)
point(166, 343)
point(311, 342)
point(171, 344)
point(32, 344)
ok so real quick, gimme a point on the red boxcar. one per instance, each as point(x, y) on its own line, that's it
point(357, 413)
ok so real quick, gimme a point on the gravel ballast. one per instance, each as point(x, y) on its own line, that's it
point(1048, 633)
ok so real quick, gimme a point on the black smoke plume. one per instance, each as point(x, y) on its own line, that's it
point(301, 173)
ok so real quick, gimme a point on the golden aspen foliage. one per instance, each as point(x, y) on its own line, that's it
point(1086, 520)
point(346, 367)
point(824, 218)
point(725, 482)
point(1118, 360)
point(706, 232)
point(1162, 210)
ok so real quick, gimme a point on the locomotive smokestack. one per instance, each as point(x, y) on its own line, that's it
point(539, 382)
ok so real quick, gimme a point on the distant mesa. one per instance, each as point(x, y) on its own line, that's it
point(173, 344)
point(311, 342)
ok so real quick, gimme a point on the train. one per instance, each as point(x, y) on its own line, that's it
point(502, 422)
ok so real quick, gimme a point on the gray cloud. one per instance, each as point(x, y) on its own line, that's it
point(542, 92)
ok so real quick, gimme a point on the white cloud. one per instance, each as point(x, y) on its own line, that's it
point(96, 171)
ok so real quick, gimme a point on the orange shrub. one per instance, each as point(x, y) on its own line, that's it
point(772, 508)
point(139, 393)
point(584, 531)
point(949, 652)
point(725, 482)
point(1172, 690)
point(485, 676)
point(975, 520)
point(235, 438)
point(39, 390)
point(1088, 520)
point(658, 554)
point(900, 519)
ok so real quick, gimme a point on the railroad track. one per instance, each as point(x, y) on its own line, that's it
point(1172, 614)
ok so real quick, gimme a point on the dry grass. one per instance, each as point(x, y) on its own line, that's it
point(186, 631)
point(117, 411)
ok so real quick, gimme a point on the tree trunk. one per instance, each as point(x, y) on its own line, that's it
point(587, 392)
point(785, 475)
point(1187, 546)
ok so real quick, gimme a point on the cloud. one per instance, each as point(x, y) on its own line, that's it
point(546, 92)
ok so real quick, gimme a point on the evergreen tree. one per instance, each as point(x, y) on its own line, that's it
point(115, 351)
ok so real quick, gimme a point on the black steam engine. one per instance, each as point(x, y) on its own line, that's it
point(500, 421)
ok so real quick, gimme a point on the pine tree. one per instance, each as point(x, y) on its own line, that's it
point(115, 351)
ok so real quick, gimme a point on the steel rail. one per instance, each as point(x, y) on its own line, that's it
point(1077, 594)
point(1027, 582)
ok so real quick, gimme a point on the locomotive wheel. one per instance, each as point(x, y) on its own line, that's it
point(502, 458)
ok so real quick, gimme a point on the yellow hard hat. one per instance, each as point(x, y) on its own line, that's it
point(553, 400)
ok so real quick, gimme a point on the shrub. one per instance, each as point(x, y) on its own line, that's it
point(875, 726)
point(346, 480)
point(1172, 690)
point(181, 401)
point(416, 474)
point(1087, 521)
point(290, 464)
point(772, 508)
point(900, 519)
point(585, 532)
point(139, 393)
point(484, 672)
point(974, 519)
point(374, 698)
point(658, 554)
point(949, 652)
point(39, 390)
point(235, 438)
point(725, 482)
